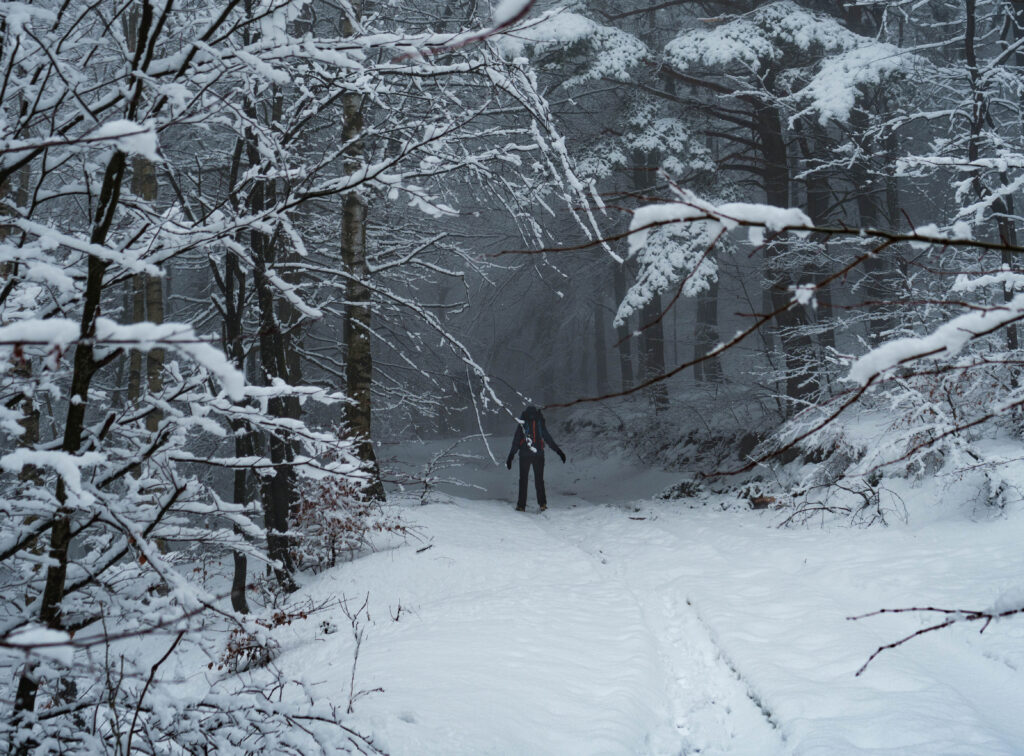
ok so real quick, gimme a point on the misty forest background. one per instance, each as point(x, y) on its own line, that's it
point(250, 250)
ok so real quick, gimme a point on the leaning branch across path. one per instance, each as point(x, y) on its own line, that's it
point(767, 224)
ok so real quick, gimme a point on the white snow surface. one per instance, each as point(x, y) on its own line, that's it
point(129, 137)
point(616, 624)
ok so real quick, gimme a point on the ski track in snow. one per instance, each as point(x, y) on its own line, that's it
point(712, 709)
point(599, 629)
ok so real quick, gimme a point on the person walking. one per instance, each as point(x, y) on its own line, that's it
point(529, 440)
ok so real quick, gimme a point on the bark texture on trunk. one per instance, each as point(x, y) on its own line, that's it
point(877, 270)
point(705, 335)
point(653, 345)
point(147, 300)
point(622, 333)
point(359, 301)
point(84, 368)
point(278, 491)
point(600, 350)
point(155, 357)
point(137, 303)
point(817, 187)
point(1002, 208)
point(796, 343)
point(233, 288)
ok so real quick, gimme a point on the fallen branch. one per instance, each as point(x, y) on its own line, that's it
point(953, 617)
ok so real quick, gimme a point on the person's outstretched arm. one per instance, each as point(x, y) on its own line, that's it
point(517, 441)
point(550, 441)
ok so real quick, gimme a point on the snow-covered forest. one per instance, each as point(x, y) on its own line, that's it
point(279, 280)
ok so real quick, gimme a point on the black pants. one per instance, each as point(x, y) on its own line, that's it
point(527, 460)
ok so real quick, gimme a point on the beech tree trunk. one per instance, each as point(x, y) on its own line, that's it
point(155, 357)
point(147, 299)
point(137, 303)
point(622, 333)
point(817, 189)
point(876, 268)
point(358, 310)
point(1002, 209)
point(653, 345)
point(600, 350)
point(797, 346)
point(232, 285)
point(705, 336)
point(22, 367)
point(84, 368)
point(278, 490)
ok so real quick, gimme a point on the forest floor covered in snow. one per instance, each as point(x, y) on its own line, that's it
point(620, 624)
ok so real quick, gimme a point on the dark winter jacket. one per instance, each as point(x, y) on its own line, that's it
point(532, 435)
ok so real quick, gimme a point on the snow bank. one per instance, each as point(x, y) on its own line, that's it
point(505, 643)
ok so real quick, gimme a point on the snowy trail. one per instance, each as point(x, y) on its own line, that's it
point(517, 639)
point(774, 604)
point(656, 629)
point(713, 709)
point(513, 642)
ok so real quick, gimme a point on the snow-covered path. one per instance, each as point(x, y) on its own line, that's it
point(513, 640)
point(774, 604)
point(654, 629)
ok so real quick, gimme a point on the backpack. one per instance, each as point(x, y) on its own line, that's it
point(533, 429)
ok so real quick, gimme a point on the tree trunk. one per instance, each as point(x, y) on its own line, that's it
point(653, 346)
point(358, 310)
point(817, 189)
point(705, 335)
point(600, 350)
point(155, 357)
point(796, 344)
point(277, 491)
point(622, 332)
point(22, 367)
point(232, 286)
point(147, 298)
point(1002, 208)
point(876, 268)
point(84, 368)
point(137, 301)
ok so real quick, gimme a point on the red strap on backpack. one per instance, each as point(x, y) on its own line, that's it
point(538, 443)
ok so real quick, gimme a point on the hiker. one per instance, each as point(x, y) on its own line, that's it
point(531, 435)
